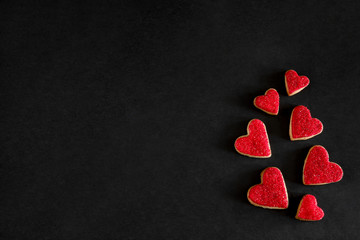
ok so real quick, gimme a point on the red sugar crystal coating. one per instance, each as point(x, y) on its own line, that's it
point(295, 83)
point(256, 143)
point(271, 193)
point(317, 168)
point(302, 125)
point(269, 102)
point(308, 209)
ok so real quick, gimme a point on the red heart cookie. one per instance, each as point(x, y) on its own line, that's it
point(271, 192)
point(308, 209)
point(269, 102)
point(317, 168)
point(256, 142)
point(302, 125)
point(295, 83)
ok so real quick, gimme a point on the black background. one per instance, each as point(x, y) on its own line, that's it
point(118, 118)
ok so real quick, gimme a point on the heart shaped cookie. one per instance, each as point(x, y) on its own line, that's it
point(317, 168)
point(295, 83)
point(271, 192)
point(269, 102)
point(256, 142)
point(308, 209)
point(302, 125)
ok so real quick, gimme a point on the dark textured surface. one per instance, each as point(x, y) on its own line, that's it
point(118, 118)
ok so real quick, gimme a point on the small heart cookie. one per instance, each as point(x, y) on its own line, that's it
point(295, 83)
point(302, 125)
point(308, 209)
point(318, 170)
point(256, 142)
point(271, 192)
point(269, 102)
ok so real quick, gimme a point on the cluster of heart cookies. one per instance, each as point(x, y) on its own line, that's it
point(318, 170)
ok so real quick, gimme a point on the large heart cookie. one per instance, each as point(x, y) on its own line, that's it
point(302, 125)
point(295, 83)
point(308, 209)
point(317, 168)
point(256, 142)
point(271, 192)
point(269, 102)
